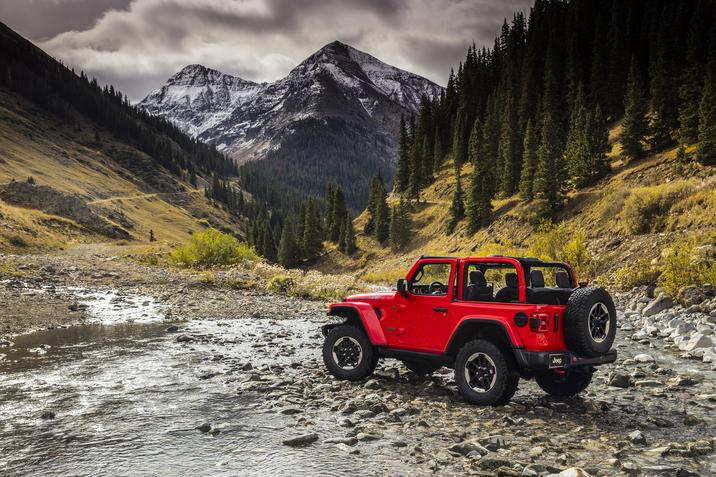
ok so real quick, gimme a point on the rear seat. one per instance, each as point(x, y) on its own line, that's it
point(548, 295)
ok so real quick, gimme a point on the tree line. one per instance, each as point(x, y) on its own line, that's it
point(532, 114)
point(27, 70)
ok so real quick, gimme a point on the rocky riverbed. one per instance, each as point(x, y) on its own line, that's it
point(177, 374)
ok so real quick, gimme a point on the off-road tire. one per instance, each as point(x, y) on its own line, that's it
point(368, 359)
point(577, 333)
point(421, 368)
point(572, 383)
point(505, 380)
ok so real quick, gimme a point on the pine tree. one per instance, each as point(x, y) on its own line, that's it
point(330, 206)
point(508, 150)
point(312, 233)
point(399, 226)
point(549, 174)
point(382, 218)
point(706, 149)
point(457, 207)
point(634, 125)
point(664, 107)
point(415, 180)
point(529, 161)
point(268, 247)
point(402, 172)
point(376, 188)
point(689, 96)
point(288, 252)
point(337, 216)
point(479, 196)
point(576, 151)
point(347, 243)
point(438, 150)
point(460, 138)
point(597, 134)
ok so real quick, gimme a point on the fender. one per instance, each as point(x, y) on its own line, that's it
point(508, 333)
point(367, 316)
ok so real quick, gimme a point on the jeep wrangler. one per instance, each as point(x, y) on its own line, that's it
point(492, 319)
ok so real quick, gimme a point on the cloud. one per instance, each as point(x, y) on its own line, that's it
point(137, 45)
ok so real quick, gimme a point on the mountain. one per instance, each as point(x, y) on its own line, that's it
point(78, 163)
point(333, 118)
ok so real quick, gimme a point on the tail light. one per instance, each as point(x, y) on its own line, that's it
point(539, 322)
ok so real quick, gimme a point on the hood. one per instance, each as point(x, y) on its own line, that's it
point(371, 297)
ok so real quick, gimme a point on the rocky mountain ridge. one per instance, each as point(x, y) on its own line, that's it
point(246, 119)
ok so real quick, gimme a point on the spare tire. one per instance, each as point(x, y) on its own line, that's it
point(590, 323)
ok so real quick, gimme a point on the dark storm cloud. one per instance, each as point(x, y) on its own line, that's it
point(137, 44)
point(42, 19)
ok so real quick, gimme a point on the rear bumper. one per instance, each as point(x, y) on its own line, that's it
point(542, 360)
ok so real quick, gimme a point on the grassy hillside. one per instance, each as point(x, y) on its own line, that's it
point(633, 216)
point(121, 184)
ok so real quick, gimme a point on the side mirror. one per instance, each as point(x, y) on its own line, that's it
point(401, 287)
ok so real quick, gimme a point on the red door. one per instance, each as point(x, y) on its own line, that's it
point(423, 318)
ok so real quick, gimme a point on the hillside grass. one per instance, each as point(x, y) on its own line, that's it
point(610, 229)
point(65, 157)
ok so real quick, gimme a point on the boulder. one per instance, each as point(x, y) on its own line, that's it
point(644, 358)
point(467, 447)
point(637, 437)
point(571, 472)
point(658, 304)
point(697, 340)
point(691, 295)
point(302, 440)
point(619, 380)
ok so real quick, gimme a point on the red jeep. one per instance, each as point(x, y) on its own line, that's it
point(493, 319)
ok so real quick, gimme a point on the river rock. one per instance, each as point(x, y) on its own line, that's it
point(468, 447)
point(619, 380)
point(571, 472)
point(644, 358)
point(4, 343)
point(47, 415)
point(697, 340)
point(657, 305)
point(172, 329)
point(204, 428)
point(637, 437)
point(184, 339)
point(690, 295)
point(302, 440)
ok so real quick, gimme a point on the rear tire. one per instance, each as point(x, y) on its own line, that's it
point(484, 375)
point(348, 353)
point(421, 368)
point(590, 323)
point(572, 383)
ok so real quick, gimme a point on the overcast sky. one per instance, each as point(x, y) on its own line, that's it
point(137, 44)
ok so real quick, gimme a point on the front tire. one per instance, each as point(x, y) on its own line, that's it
point(569, 384)
point(348, 353)
point(484, 375)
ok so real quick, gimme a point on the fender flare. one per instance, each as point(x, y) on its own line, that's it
point(365, 316)
point(507, 333)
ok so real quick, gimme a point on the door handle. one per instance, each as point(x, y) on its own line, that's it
point(440, 309)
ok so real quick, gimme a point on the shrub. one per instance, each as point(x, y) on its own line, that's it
point(211, 248)
point(636, 274)
point(646, 208)
point(682, 268)
point(557, 242)
point(547, 243)
point(280, 284)
point(576, 254)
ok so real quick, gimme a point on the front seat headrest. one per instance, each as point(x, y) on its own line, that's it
point(537, 278)
point(511, 280)
point(477, 278)
point(562, 279)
